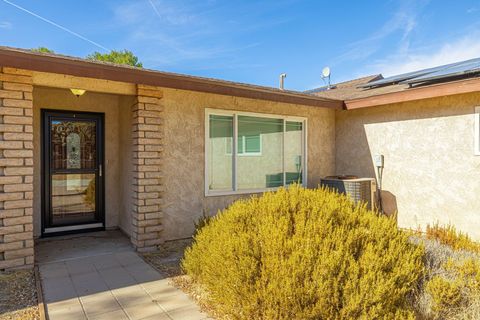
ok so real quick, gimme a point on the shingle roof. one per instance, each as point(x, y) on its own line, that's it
point(344, 89)
point(376, 85)
point(349, 90)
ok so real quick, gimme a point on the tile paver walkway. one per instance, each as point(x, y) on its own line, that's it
point(108, 285)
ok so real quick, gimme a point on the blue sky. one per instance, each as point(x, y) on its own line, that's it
point(253, 41)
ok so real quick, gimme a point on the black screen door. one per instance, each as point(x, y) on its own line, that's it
point(73, 183)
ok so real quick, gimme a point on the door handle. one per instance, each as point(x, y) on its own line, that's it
point(100, 170)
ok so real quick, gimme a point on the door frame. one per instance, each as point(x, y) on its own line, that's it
point(45, 144)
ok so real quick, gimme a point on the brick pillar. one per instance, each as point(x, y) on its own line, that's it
point(16, 168)
point(147, 176)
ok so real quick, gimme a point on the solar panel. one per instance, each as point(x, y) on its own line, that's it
point(410, 77)
point(395, 79)
point(459, 70)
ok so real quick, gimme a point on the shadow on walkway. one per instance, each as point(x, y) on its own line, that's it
point(99, 276)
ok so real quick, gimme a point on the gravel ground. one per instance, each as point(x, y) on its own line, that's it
point(18, 296)
point(167, 258)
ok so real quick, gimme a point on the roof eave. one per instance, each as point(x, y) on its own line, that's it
point(431, 91)
point(82, 68)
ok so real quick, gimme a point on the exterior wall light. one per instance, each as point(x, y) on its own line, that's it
point(78, 92)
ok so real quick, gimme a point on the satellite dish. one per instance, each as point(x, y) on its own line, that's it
point(326, 72)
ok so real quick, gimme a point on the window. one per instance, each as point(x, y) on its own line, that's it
point(269, 152)
point(250, 145)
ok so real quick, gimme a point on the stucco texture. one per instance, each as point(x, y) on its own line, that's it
point(184, 198)
point(431, 173)
point(117, 153)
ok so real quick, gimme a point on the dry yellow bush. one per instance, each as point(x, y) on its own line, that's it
point(456, 289)
point(304, 254)
point(450, 236)
point(446, 295)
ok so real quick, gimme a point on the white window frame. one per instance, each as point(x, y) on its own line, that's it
point(243, 153)
point(235, 114)
point(476, 139)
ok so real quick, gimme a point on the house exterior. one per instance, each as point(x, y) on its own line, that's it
point(140, 150)
point(430, 138)
point(150, 152)
point(431, 154)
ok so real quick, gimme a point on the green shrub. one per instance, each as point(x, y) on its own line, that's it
point(304, 254)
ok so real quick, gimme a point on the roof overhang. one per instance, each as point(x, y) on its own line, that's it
point(23, 59)
point(412, 94)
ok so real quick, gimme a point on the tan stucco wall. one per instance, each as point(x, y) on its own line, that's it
point(431, 173)
point(116, 129)
point(126, 165)
point(184, 145)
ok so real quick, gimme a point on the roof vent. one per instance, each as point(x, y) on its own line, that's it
point(282, 80)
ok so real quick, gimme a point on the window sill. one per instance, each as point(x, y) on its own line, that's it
point(259, 154)
point(240, 192)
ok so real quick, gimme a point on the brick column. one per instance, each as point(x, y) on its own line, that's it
point(16, 168)
point(147, 176)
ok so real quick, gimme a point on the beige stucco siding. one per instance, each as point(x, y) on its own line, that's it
point(184, 152)
point(126, 165)
point(117, 157)
point(431, 173)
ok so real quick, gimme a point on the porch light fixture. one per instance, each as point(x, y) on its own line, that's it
point(78, 92)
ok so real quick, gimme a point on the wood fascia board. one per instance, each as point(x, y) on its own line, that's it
point(81, 68)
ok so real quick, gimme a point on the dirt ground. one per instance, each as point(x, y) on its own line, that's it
point(18, 296)
point(167, 258)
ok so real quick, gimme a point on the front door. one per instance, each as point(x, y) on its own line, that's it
point(72, 176)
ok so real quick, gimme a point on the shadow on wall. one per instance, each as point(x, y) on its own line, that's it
point(360, 162)
point(431, 172)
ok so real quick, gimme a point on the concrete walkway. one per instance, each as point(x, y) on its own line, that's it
point(85, 277)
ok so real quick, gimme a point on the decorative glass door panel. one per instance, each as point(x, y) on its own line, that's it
point(73, 177)
point(73, 144)
point(73, 198)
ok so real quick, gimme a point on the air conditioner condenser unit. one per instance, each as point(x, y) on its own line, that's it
point(358, 189)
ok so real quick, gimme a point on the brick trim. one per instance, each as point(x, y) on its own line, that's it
point(147, 131)
point(16, 168)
